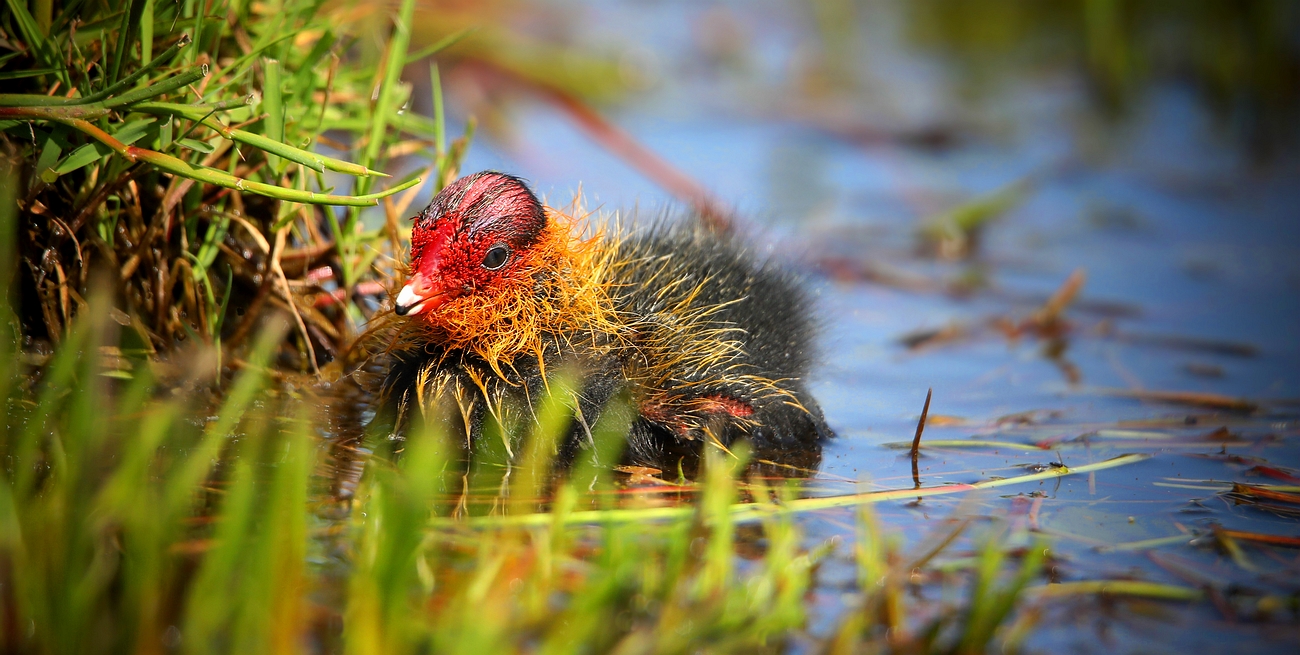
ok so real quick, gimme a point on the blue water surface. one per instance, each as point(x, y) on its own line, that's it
point(1191, 249)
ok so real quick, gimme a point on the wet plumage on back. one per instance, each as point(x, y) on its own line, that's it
point(707, 343)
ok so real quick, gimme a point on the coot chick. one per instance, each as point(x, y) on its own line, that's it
point(707, 342)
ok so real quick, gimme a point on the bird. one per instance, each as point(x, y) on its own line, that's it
point(678, 325)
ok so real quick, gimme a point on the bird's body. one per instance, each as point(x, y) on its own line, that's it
point(704, 342)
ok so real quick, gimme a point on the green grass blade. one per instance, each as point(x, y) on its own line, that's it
point(439, 119)
point(132, 476)
point(22, 74)
point(30, 100)
point(241, 66)
point(273, 109)
point(146, 31)
point(72, 105)
point(715, 509)
point(304, 81)
point(126, 82)
point(439, 45)
point(31, 32)
point(317, 162)
point(166, 86)
point(198, 146)
point(180, 488)
point(92, 152)
point(1118, 588)
point(43, 12)
point(126, 37)
point(51, 149)
point(170, 164)
point(56, 384)
point(554, 414)
point(608, 440)
point(1062, 471)
point(69, 11)
point(213, 598)
point(382, 110)
point(196, 7)
point(385, 105)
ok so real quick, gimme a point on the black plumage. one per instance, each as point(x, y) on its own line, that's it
point(705, 342)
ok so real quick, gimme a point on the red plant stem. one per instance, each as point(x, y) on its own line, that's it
point(618, 141)
point(1274, 539)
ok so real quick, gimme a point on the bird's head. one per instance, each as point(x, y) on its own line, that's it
point(476, 237)
point(495, 272)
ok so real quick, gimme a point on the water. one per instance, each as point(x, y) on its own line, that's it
point(1189, 242)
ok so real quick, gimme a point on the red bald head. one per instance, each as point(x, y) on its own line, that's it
point(471, 236)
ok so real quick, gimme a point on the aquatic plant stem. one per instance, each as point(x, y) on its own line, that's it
point(1116, 588)
point(755, 511)
point(916, 441)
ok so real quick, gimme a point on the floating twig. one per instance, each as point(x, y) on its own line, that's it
point(753, 511)
point(1217, 401)
point(1117, 588)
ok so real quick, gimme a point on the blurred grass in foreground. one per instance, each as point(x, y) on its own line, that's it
point(187, 154)
point(135, 518)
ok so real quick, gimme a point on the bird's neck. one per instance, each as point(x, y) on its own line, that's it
point(560, 293)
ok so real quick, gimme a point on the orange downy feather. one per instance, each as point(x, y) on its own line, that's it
point(562, 289)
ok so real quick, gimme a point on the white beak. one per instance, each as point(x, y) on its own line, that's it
point(408, 302)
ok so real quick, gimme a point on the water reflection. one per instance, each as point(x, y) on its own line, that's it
point(481, 475)
point(1159, 142)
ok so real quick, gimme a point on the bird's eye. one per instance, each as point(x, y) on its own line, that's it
point(496, 257)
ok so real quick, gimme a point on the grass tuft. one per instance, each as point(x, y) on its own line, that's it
point(173, 174)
